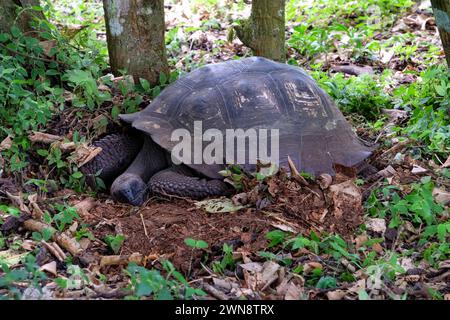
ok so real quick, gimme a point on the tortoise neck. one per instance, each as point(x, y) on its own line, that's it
point(151, 159)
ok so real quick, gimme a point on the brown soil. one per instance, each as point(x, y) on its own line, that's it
point(168, 223)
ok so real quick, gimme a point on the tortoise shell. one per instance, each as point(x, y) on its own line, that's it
point(256, 93)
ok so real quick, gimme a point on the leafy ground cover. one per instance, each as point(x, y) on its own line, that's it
point(382, 236)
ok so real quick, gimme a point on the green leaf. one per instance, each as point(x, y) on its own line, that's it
point(326, 283)
point(42, 152)
point(201, 244)
point(162, 79)
point(300, 242)
point(190, 242)
point(4, 37)
point(441, 90)
point(195, 244)
point(145, 84)
point(363, 295)
point(442, 231)
point(77, 175)
point(15, 31)
point(276, 237)
point(115, 112)
point(156, 91)
point(115, 242)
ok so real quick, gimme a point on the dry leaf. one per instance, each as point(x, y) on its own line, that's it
point(377, 247)
point(284, 227)
point(446, 163)
point(324, 180)
point(49, 267)
point(84, 153)
point(310, 266)
point(269, 274)
point(441, 196)
point(6, 143)
point(336, 295)
point(376, 225)
point(387, 172)
point(47, 46)
point(418, 169)
point(251, 266)
point(293, 292)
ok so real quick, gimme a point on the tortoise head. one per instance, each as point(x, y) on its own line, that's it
point(129, 188)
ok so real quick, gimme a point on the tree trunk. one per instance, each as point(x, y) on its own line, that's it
point(9, 18)
point(264, 31)
point(135, 34)
point(441, 9)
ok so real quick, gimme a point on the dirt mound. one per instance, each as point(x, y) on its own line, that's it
point(160, 228)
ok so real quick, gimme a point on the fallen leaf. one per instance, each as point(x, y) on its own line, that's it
point(220, 205)
point(324, 180)
point(376, 225)
point(251, 266)
point(387, 172)
point(418, 169)
point(269, 274)
point(11, 257)
point(293, 292)
point(84, 153)
point(6, 143)
point(310, 266)
point(49, 267)
point(47, 45)
point(336, 295)
point(446, 163)
point(441, 196)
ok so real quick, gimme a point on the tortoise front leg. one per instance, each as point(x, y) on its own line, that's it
point(178, 182)
point(118, 152)
point(130, 187)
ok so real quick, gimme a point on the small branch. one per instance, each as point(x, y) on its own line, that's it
point(216, 293)
point(28, 56)
point(62, 239)
point(121, 259)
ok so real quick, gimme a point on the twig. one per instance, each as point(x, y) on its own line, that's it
point(17, 200)
point(143, 224)
point(62, 239)
point(55, 250)
point(295, 174)
point(395, 148)
point(121, 259)
point(28, 56)
point(215, 292)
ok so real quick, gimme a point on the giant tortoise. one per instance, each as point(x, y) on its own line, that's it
point(249, 93)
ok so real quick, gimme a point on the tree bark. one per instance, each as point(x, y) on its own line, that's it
point(9, 18)
point(135, 35)
point(264, 31)
point(441, 9)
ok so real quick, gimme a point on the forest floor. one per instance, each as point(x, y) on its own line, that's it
point(383, 235)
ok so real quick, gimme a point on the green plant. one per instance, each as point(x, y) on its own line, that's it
point(275, 237)
point(429, 101)
point(362, 95)
point(151, 283)
point(227, 261)
point(195, 244)
point(418, 206)
point(115, 242)
point(66, 215)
